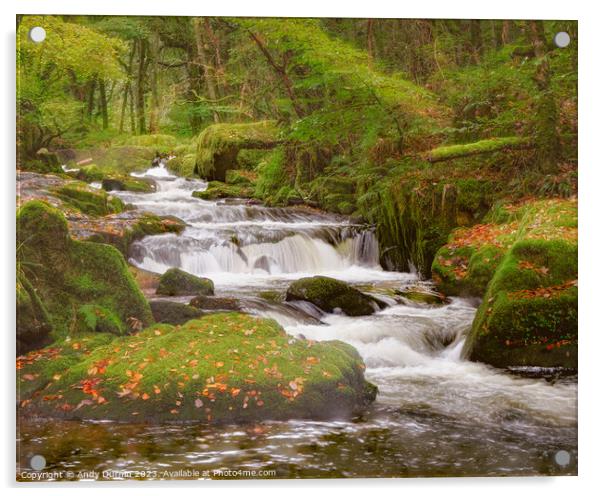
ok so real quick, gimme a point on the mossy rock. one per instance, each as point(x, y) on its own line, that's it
point(216, 190)
point(33, 321)
point(171, 312)
point(88, 200)
point(182, 165)
point(419, 295)
point(175, 282)
point(68, 274)
point(128, 183)
point(220, 368)
point(216, 303)
point(219, 144)
point(330, 294)
point(45, 162)
point(529, 312)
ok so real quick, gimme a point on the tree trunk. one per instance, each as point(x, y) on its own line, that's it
point(140, 87)
point(154, 106)
point(281, 71)
point(219, 71)
point(103, 104)
point(476, 40)
point(204, 61)
point(90, 105)
point(370, 39)
point(127, 87)
point(548, 144)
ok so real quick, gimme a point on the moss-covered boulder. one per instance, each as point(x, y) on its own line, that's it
point(241, 177)
point(216, 303)
point(529, 311)
point(33, 321)
point(171, 312)
point(218, 145)
point(220, 368)
point(175, 282)
point(330, 294)
point(87, 200)
point(217, 189)
point(128, 183)
point(68, 274)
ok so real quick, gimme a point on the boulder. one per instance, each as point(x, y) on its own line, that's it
point(422, 295)
point(214, 303)
point(176, 282)
point(68, 274)
point(329, 294)
point(210, 370)
point(171, 312)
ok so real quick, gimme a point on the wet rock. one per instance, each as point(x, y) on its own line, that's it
point(422, 295)
point(330, 294)
point(176, 282)
point(303, 380)
point(171, 312)
point(142, 185)
point(216, 303)
point(263, 263)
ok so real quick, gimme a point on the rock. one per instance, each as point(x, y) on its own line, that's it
point(141, 185)
point(241, 177)
point(68, 274)
point(171, 312)
point(421, 295)
point(214, 303)
point(263, 263)
point(216, 190)
point(177, 282)
point(87, 200)
point(299, 380)
point(528, 316)
point(33, 321)
point(329, 294)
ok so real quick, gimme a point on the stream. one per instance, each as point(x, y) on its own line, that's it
point(436, 413)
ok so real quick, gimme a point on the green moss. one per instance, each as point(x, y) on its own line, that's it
point(217, 189)
point(221, 368)
point(182, 165)
point(68, 274)
point(240, 177)
point(529, 312)
point(163, 143)
point(484, 146)
point(127, 183)
point(90, 173)
point(87, 200)
point(171, 312)
point(329, 294)
point(218, 145)
point(176, 282)
point(272, 178)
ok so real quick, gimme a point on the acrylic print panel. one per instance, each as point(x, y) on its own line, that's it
point(295, 248)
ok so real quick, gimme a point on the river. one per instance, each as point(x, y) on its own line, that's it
point(436, 413)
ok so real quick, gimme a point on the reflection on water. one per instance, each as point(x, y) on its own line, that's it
point(436, 414)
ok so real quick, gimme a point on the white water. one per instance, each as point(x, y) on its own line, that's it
point(413, 353)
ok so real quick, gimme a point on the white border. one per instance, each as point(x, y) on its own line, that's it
point(590, 174)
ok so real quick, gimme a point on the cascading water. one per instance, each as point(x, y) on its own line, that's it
point(436, 413)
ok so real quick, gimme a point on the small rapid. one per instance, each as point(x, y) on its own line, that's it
point(436, 412)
